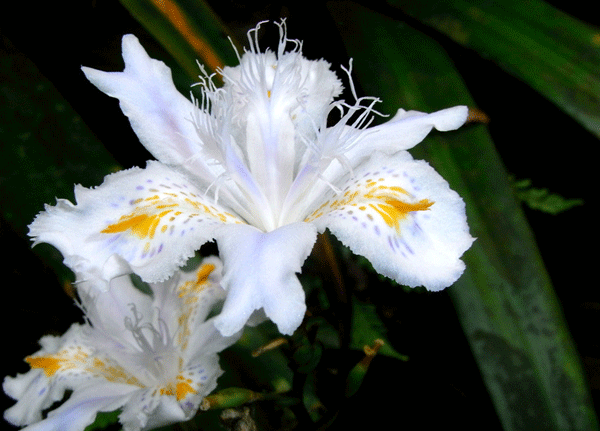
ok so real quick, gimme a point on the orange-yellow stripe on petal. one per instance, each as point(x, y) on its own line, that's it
point(183, 389)
point(138, 224)
point(204, 272)
point(49, 364)
point(393, 211)
point(141, 225)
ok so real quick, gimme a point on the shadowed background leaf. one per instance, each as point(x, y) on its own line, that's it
point(552, 52)
point(505, 300)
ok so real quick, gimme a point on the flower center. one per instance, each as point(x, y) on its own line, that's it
point(267, 130)
point(157, 360)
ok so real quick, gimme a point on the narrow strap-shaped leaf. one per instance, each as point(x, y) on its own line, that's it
point(505, 301)
point(189, 30)
point(45, 148)
point(552, 52)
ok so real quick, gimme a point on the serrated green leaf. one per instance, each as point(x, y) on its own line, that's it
point(542, 199)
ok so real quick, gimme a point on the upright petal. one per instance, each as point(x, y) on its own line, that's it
point(406, 129)
point(160, 116)
point(402, 216)
point(260, 272)
point(149, 221)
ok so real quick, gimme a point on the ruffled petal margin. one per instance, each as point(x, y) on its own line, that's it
point(148, 221)
point(401, 215)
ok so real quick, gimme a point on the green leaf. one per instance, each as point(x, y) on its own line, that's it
point(542, 199)
point(269, 369)
point(552, 52)
point(368, 327)
point(46, 148)
point(103, 420)
point(504, 300)
point(189, 30)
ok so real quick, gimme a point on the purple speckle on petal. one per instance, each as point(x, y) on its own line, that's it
point(112, 239)
point(139, 188)
point(408, 248)
point(391, 244)
point(377, 230)
point(160, 247)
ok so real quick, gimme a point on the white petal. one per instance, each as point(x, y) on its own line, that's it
point(66, 363)
point(406, 129)
point(36, 390)
point(153, 219)
point(159, 114)
point(260, 272)
point(402, 216)
point(107, 311)
point(33, 395)
point(82, 406)
point(146, 410)
point(192, 293)
point(206, 340)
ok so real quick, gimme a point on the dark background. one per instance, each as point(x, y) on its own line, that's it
point(440, 385)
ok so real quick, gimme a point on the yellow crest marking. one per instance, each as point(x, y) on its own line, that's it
point(49, 364)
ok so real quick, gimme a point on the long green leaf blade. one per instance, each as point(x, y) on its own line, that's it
point(189, 30)
point(505, 300)
point(552, 52)
point(46, 148)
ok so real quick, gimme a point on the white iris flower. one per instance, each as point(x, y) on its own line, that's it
point(256, 166)
point(153, 357)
